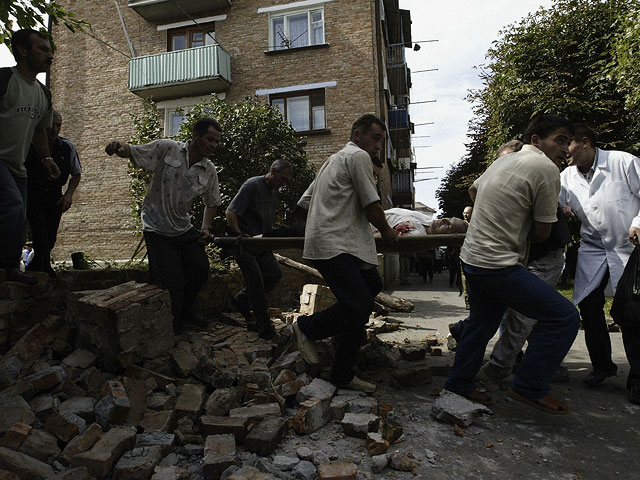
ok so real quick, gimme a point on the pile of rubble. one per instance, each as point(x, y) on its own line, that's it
point(108, 391)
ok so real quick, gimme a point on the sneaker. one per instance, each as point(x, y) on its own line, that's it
point(359, 385)
point(306, 347)
point(490, 384)
point(15, 275)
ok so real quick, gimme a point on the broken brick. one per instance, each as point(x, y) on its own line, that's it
point(214, 425)
point(266, 435)
point(219, 454)
point(337, 471)
point(81, 443)
point(100, 459)
point(14, 437)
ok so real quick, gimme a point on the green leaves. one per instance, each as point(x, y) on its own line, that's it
point(31, 14)
point(254, 135)
point(578, 59)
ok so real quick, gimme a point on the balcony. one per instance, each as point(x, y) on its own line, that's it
point(402, 190)
point(158, 11)
point(184, 73)
point(400, 128)
point(398, 73)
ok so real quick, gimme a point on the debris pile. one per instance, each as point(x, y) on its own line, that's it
point(109, 391)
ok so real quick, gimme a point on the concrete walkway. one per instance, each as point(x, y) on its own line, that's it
point(598, 439)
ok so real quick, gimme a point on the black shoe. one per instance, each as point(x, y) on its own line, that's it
point(15, 275)
point(244, 310)
point(634, 394)
point(456, 331)
point(598, 375)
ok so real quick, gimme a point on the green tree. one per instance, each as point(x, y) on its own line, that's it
point(578, 59)
point(254, 135)
point(32, 14)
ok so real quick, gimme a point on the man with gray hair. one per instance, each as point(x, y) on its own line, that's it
point(252, 212)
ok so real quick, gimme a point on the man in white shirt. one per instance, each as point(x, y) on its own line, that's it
point(602, 188)
point(181, 173)
point(515, 203)
point(341, 202)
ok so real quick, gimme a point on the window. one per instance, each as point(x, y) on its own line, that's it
point(297, 29)
point(304, 110)
point(190, 37)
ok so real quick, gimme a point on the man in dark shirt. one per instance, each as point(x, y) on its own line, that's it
point(45, 202)
point(252, 212)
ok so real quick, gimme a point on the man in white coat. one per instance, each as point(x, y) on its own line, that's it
point(602, 189)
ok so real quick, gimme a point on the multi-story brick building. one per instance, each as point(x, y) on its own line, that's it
point(322, 62)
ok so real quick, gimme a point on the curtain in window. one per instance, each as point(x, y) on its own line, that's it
point(298, 112)
point(298, 30)
point(317, 28)
point(278, 33)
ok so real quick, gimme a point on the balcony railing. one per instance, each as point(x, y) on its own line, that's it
point(190, 72)
point(397, 71)
point(400, 127)
point(157, 11)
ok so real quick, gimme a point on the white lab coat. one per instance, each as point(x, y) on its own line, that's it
point(607, 208)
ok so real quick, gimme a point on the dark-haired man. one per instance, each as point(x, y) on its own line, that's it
point(181, 173)
point(494, 263)
point(252, 212)
point(341, 202)
point(25, 113)
point(46, 203)
point(602, 188)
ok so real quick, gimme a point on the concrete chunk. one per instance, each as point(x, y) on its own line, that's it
point(337, 471)
point(80, 358)
point(219, 454)
point(215, 425)
point(359, 424)
point(184, 361)
point(164, 420)
point(163, 440)
point(14, 409)
point(256, 412)
point(106, 451)
point(221, 401)
point(81, 406)
point(265, 437)
point(113, 407)
point(63, 426)
point(41, 445)
point(26, 467)
point(81, 443)
point(137, 464)
point(170, 472)
point(376, 444)
point(190, 401)
point(318, 388)
point(455, 409)
point(14, 437)
point(80, 473)
point(312, 415)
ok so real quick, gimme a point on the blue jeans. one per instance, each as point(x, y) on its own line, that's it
point(13, 205)
point(355, 291)
point(490, 293)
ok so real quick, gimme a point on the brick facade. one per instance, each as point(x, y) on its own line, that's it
point(89, 85)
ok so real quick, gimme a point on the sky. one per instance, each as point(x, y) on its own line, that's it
point(465, 30)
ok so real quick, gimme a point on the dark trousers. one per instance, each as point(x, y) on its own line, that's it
point(491, 291)
point(596, 335)
point(355, 291)
point(180, 265)
point(13, 200)
point(43, 213)
point(261, 273)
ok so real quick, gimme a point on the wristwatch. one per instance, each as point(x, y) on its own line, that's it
point(47, 158)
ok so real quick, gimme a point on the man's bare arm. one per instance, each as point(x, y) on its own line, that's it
point(232, 220)
point(67, 199)
point(42, 145)
point(375, 215)
point(540, 231)
point(473, 191)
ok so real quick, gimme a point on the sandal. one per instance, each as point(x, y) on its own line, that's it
point(547, 404)
point(479, 397)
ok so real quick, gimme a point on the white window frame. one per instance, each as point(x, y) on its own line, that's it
point(185, 104)
point(274, 40)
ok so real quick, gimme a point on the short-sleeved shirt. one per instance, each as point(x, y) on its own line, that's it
point(174, 186)
point(23, 108)
point(513, 192)
point(64, 154)
point(255, 205)
point(336, 199)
